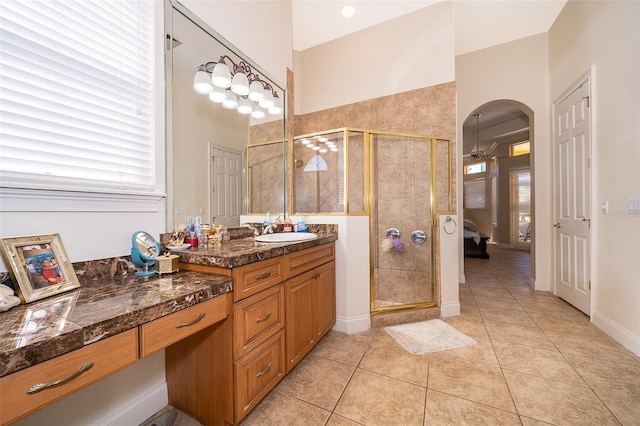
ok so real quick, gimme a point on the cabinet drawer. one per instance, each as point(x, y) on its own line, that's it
point(64, 375)
point(302, 261)
point(257, 318)
point(165, 331)
point(255, 277)
point(258, 373)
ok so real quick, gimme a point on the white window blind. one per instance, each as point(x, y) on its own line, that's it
point(76, 95)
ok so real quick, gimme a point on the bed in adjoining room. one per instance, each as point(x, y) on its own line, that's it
point(475, 243)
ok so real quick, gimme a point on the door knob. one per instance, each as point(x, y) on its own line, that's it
point(556, 225)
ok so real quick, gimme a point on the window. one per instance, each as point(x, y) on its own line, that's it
point(475, 194)
point(474, 168)
point(76, 95)
point(520, 148)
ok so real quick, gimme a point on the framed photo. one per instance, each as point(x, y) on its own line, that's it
point(39, 265)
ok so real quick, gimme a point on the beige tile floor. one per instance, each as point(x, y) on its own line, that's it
point(537, 361)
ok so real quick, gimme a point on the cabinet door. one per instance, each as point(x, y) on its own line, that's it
point(325, 299)
point(257, 318)
point(300, 323)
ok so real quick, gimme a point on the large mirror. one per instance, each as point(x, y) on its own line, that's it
point(265, 180)
point(207, 141)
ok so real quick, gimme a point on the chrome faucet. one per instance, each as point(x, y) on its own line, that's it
point(268, 229)
point(255, 231)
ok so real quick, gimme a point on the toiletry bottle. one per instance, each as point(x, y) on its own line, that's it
point(287, 226)
point(301, 226)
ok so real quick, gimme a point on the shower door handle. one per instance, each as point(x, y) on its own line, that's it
point(419, 236)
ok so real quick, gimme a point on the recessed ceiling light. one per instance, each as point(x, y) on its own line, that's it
point(348, 11)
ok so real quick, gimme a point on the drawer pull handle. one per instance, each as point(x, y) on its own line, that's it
point(263, 276)
point(265, 371)
point(317, 275)
point(42, 386)
point(264, 318)
point(195, 321)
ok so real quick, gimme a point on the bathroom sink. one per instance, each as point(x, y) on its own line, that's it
point(286, 237)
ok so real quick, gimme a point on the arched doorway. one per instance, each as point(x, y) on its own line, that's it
point(498, 175)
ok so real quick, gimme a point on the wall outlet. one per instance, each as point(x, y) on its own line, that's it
point(634, 206)
point(605, 207)
point(181, 212)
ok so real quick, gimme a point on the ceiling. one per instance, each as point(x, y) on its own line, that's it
point(478, 24)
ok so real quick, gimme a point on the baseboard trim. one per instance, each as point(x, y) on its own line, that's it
point(617, 332)
point(353, 324)
point(140, 408)
point(541, 285)
point(450, 309)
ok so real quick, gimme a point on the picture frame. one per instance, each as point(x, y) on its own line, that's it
point(39, 265)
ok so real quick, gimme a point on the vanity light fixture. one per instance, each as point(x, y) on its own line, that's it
point(236, 86)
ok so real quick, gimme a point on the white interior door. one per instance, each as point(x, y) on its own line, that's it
point(572, 184)
point(226, 187)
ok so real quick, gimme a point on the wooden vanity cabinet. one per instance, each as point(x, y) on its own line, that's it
point(274, 324)
point(28, 390)
point(310, 304)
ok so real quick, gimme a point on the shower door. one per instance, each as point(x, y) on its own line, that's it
point(402, 266)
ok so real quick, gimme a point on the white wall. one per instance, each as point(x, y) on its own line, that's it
point(515, 71)
point(262, 30)
point(606, 35)
point(93, 229)
point(406, 53)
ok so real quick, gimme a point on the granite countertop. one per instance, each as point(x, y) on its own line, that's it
point(243, 251)
point(35, 332)
point(111, 301)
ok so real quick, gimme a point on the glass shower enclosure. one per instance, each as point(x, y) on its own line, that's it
point(400, 181)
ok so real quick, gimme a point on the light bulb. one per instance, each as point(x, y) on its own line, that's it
point(256, 91)
point(277, 106)
point(231, 102)
point(258, 112)
point(267, 102)
point(240, 84)
point(202, 82)
point(221, 76)
point(245, 106)
point(218, 95)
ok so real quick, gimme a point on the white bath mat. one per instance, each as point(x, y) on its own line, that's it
point(424, 337)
